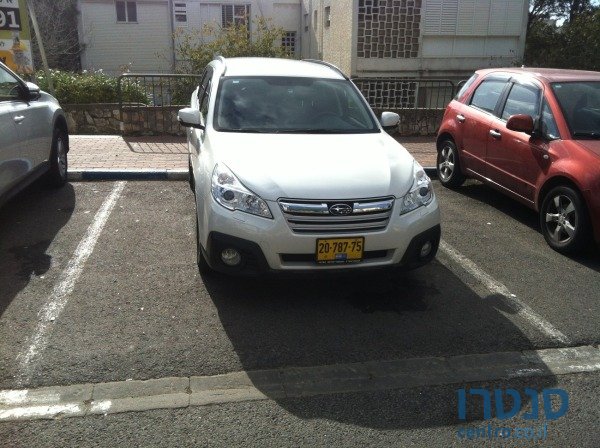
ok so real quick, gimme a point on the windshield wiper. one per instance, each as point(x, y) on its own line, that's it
point(590, 135)
point(246, 131)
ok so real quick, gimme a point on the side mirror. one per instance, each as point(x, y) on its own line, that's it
point(390, 121)
point(520, 123)
point(190, 118)
point(32, 92)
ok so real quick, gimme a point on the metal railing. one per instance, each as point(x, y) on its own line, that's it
point(406, 93)
point(148, 102)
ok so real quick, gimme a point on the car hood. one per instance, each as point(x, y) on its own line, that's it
point(317, 166)
point(591, 145)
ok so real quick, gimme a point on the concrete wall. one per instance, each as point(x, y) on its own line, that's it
point(145, 46)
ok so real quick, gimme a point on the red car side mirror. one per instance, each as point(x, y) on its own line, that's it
point(520, 123)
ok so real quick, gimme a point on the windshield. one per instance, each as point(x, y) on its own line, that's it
point(580, 103)
point(291, 105)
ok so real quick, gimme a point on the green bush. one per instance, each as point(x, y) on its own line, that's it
point(88, 88)
point(195, 49)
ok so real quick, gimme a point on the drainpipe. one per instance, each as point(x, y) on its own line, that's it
point(173, 50)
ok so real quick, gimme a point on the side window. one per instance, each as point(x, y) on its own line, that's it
point(522, 100)
point(202, 88)
point(548, 126)
point(205, 98)
point(9, 86)
point(466, 86)
point(487, 94)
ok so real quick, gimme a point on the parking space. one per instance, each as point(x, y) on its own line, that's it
point(138, 308)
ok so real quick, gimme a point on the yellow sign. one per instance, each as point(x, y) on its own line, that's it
point(15, 37)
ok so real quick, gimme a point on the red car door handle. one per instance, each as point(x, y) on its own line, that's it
point(461, 118)
point(495, 134)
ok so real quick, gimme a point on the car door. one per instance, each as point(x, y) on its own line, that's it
point(476, 119)
point(515, 159)
point(14, 164)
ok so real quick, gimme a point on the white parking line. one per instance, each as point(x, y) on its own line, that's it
point(62, 290)
point(496, 287)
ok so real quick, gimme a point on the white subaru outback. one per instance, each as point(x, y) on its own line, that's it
point(292, 171)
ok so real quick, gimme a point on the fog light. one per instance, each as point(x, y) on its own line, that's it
point(426, 249)
point(231, 257)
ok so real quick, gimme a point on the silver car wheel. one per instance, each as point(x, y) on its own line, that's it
point(561, 219)
point(61, 157)
point(447, 162)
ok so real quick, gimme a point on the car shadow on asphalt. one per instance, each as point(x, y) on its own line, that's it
point(487, 195)
point(29, 222)
point(430, 312)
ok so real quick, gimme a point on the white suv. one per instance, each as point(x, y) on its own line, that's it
point(292, 171)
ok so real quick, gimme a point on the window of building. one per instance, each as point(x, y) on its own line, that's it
point(306, 23)
point(288, 43)
point(235, 15)
point(327, 16)
point(180, 13)
point(126, 11)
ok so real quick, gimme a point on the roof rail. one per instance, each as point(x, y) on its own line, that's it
point(222, 60)
point(327, 64)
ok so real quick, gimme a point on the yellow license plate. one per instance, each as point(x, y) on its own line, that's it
point(340, 250)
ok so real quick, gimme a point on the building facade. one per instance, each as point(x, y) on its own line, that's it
point(365, 38)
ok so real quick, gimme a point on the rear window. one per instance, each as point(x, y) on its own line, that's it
point(487, 94)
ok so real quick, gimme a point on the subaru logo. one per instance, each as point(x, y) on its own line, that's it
point(340, 209)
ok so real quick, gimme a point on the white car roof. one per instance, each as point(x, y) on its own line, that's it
point(279, 67)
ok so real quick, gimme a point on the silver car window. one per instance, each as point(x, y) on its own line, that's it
point(9, 86)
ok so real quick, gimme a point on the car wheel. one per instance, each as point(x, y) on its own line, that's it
point(203, 266)
point(57, 175)
point(448, 165)
point(564, 220)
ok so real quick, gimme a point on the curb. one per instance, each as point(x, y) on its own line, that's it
point(80, 400)
point(127, 174)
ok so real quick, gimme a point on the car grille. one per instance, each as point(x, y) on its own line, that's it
point(363, 215)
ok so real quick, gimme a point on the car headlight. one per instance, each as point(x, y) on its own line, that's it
point(231, 194)
point(421, 192)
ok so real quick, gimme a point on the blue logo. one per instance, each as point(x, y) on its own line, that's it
point(508, 404)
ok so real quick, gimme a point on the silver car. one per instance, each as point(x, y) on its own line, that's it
point(34, 140)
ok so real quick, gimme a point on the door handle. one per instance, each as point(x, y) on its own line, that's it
point(461, 118)
point(19, 118)
point(495, 134)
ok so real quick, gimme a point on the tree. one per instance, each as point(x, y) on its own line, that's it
point(196, 49)
point(575, 45)
point(57, 21)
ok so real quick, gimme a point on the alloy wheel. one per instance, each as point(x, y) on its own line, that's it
point(561, 219)
point(446, 162)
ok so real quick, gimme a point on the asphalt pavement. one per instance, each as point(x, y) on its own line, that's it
point(99, 284)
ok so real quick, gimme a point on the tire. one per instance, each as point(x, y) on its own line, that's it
point(203, 266)
point(448, 165)
point(565, 221)
point(59, 164)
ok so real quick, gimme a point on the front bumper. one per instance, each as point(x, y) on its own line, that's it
point(269, 245)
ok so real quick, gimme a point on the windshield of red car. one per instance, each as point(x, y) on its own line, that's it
point(580, 103)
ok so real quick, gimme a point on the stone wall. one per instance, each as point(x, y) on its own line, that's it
point(417, 121)
point(106, 119)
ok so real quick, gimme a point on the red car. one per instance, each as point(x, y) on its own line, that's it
point(533, 134)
